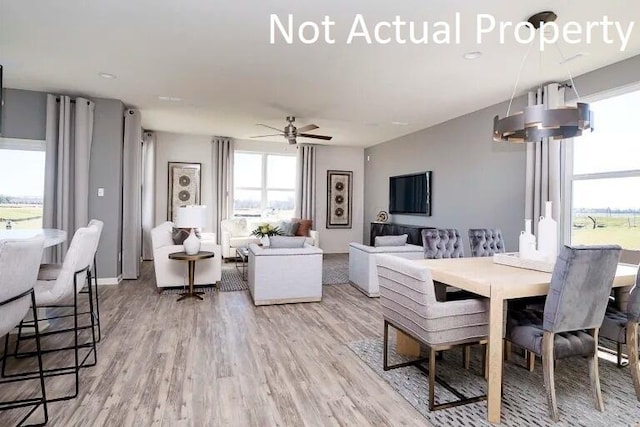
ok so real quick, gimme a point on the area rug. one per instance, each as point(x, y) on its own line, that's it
point(523, 403)
point(231, 282)
point(335, 269)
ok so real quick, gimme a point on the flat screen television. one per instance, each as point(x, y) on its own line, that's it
point(410, 194)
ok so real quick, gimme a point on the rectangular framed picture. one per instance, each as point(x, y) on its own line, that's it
point(339, 198)
point(184, 186)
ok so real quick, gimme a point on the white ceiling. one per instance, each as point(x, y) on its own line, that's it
point(216, 56)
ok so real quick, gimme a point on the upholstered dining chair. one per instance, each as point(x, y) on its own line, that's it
point(19, 262)
point(582, 277)
point(442, 243)
point(409, 304)
point(57, 294)
point(486, 241)
point(622, 328)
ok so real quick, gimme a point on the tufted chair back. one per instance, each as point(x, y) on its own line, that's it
point(442, 243)
point(486, 241)
point(582, 277)
point(633, 306)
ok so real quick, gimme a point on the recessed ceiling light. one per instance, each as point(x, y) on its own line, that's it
point(472, 55)
point(400, 123)
point(107, 76)
point(170, 98)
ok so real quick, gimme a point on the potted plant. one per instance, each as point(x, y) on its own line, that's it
point(264, 231)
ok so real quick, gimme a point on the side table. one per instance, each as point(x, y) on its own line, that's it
point(191, 259)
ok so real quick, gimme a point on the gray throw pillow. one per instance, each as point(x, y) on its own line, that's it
point(288, 228)
point(281, 242)
point(400, 240)
point(179, 235)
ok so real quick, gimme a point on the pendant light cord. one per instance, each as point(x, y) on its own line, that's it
point(515, 87)
point(562, 57)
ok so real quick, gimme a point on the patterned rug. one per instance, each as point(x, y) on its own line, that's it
point(524, 401)
point(335, 269)
point(231, 282)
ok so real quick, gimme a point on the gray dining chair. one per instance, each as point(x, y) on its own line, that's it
point(442, 243)
point(19, 262)
point(486, 241)
point(622, 328)
point(582, 277)
point(409, 304)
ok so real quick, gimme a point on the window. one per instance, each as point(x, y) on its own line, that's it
point(264, 184)
point(605, 184)
point(21, 188)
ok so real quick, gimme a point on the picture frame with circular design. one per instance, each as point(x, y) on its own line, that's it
point(184, 186)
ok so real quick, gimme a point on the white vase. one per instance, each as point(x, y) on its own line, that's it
point(265, 241)
point(191, 244)
point(548, 235)
point(527, 241)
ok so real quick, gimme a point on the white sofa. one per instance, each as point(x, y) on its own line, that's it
point(363, 272)
point(175, 273)
point(281, 276)
point(236, 233)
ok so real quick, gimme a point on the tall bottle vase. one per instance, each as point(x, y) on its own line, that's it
point(548, 235)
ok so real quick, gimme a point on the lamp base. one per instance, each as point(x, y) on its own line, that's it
point(191, 244)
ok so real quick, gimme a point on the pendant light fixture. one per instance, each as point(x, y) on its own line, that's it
point(537, 121)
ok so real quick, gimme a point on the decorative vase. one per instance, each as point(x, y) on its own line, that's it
point(264, 241)
point(527, 242)
point(191, 244)
point(548, 235)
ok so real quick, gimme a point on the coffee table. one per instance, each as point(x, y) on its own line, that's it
point(242, 258)
point(191, 259)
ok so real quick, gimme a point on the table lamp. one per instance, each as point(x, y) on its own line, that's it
point(191, 217)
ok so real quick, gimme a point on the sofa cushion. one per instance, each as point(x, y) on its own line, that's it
point(276, 242)
point(390, 240)
point(288, 228)
point(304, 225)
point(179, 235)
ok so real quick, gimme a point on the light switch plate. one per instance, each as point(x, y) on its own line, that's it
point(100, 192)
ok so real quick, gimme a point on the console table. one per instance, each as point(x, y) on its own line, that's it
point(414, 232)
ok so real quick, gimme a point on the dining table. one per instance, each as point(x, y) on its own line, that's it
point(500, 283)
point(52, 236)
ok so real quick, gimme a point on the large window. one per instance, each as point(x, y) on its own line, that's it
point(264, 184)
point(605, 184)
point(21, 188)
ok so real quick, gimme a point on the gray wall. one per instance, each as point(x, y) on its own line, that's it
point(475, 182)
point(106, 172)
point(24, 114)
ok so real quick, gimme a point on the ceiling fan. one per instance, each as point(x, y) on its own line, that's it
point(290, 132)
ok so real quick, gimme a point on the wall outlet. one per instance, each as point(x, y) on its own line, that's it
point(100, 192)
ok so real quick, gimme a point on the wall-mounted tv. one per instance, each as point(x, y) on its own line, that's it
point(410, 194)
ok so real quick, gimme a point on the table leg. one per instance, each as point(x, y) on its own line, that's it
point(191, 293)
point(406, 346)
point(494, 394)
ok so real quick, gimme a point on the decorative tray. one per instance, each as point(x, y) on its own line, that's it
point(513, 259)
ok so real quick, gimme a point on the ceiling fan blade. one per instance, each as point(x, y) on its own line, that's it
point(264, 136)
point(309, 135)
point(270, 127)
point(307, 128)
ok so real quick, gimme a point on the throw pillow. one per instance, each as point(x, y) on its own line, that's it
point(179, 235)
point(400, 240)
point(288, 228)
point(304, 225)
point(276, 242)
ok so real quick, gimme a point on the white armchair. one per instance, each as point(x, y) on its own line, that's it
point(174, 273)
point(287, 275)
point(236, 233)
point(363, 272)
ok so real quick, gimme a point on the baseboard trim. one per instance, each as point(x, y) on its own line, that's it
point(109, 280)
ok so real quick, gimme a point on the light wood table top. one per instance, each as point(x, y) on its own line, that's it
point(499, 283)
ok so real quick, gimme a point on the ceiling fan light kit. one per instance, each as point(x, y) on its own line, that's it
point(291, 132)
point(537, 122)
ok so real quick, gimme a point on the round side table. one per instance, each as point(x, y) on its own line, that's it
point(191, 259)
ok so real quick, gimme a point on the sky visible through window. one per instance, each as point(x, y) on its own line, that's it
point(22, 173)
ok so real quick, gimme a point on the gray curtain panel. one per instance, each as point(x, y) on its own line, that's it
point(222, 161)
point(306, 183)
point(544, 167)
point(131, 195)
point(148, 192)
point(69, 132)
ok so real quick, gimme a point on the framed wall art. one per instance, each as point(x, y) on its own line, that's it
point(184, 186)
point(339, 198)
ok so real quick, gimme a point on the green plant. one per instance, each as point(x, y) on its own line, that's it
point(266, 230)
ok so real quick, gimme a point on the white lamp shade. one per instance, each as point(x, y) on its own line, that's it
point(191, 216)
